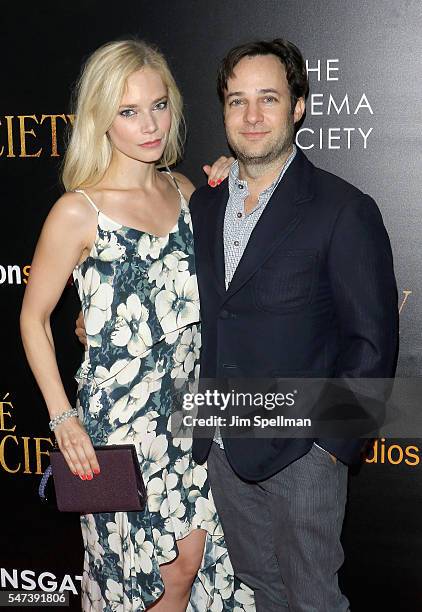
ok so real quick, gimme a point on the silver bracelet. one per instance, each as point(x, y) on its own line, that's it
point(62, 417)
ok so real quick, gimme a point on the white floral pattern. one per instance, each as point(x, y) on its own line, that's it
point(192, 475)
point(97, 298)
point(164, 271)
point(245, 599)
point(151, 246)
point(164, 547)
point(179, 304)
point(92, 599)
point(131, 327)
point(187, 353)
point(136, 396)
point(108, 248)
point(118, 541)
point(144, 550)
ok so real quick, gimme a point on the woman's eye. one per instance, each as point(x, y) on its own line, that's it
point(127, 112)
point(161, 105)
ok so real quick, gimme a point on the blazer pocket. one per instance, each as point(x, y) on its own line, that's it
point(287, 281)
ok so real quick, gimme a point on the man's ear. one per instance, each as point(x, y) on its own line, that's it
point(299, 110)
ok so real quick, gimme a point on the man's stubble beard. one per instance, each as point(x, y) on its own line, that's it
point(275, 150)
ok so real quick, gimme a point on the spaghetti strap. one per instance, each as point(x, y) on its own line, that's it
point(176, 184)
point(88, 198)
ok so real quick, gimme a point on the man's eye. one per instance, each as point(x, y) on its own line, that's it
point(161, 105)
point(127, 112)
point(235, 102)
point(270, 99)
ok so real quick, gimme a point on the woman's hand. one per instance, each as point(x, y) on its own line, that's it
point(80, 330)
point(218, 171)
point(77, 449)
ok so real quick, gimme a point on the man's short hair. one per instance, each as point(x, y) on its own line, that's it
point(288, 54)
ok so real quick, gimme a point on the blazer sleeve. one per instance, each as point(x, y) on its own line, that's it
point(363, 286)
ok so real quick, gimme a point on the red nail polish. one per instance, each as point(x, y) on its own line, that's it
point(219, 181)
point(96, 472)
point(211, 183)
point(82, 476)
point(89, 476)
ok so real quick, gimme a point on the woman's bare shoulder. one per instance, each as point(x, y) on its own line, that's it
point(72, 208)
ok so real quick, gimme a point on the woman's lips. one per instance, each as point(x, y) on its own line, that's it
point(151, 144)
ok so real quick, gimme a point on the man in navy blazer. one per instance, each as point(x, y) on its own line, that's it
point(296, 279)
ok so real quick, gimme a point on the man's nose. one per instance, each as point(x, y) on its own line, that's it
point(253, 114)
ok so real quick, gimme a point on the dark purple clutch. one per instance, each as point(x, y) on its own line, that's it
point(118, 487)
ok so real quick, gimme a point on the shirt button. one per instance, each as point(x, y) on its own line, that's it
point(239, 214)
point(240, 186)
point(236, 243)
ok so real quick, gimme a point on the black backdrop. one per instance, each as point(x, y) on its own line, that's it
point(363, 123)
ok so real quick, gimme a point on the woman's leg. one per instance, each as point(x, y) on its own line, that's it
point(178, 575)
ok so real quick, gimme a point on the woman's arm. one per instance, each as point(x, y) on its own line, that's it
point(65, 240)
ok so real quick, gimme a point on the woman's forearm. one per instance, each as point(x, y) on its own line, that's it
point(39, 348)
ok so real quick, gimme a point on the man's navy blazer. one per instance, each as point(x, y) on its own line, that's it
point(314, 295)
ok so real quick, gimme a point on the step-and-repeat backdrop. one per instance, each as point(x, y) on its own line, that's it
point(363, 123)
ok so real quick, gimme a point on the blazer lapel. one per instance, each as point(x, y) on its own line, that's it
point(280, 217)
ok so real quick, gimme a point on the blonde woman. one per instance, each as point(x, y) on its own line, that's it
point(123, 229)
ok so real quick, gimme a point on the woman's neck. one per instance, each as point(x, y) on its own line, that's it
point(126, 173)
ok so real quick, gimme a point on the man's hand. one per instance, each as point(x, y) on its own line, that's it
point(218, 171)
point(80, 329)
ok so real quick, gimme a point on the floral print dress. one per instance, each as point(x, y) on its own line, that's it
point(140, 302)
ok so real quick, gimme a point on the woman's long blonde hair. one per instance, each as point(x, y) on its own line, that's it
point(98, 95)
